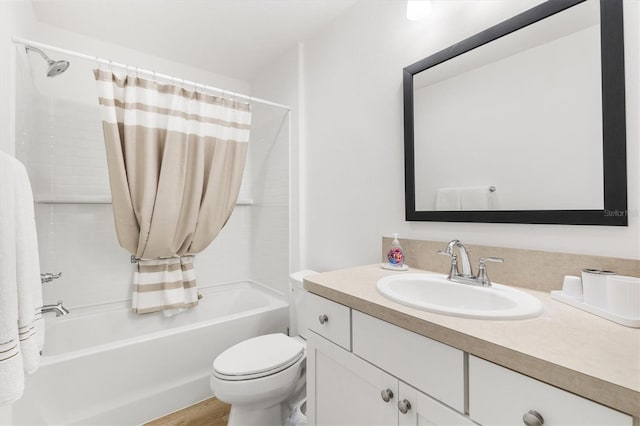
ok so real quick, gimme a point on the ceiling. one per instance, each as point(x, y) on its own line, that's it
point(235, 38)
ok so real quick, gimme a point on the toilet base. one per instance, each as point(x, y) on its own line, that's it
point(247, 416)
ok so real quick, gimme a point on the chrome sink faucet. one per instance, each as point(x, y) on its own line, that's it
point(466, 276)
point(464, 258)
point(57, 308)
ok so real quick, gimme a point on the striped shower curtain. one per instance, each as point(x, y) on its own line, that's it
point(175, 161)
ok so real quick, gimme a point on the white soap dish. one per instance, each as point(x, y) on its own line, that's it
point(578, 303)
point(391, 267)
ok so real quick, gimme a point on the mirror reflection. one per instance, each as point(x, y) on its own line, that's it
point(515, 124)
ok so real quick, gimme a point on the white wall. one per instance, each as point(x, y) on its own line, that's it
point(354, 136)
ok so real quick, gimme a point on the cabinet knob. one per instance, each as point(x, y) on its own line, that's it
point(532, 418)
point(387, 395)
point(404, 406)
point(323, 318)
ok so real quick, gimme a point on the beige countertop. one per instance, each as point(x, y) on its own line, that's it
point(565, 347)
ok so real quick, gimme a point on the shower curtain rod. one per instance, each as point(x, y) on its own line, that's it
point(154, 74)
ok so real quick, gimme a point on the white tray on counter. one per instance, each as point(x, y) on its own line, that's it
point(577, 303)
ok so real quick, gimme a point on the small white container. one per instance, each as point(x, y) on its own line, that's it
point(572, 287)
point(594, 287)
point(623, 295)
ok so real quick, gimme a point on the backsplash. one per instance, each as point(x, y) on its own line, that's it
point(534, 269)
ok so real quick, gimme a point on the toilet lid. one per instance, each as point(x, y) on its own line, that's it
point(258, 356)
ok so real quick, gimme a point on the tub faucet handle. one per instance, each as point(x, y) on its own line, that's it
point(47, 277)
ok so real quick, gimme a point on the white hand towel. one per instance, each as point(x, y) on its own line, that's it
point(448, 199)
point(21, 329)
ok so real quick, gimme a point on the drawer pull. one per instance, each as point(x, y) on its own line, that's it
point(532, 418)
point(387, 395)
point(323, 318)
point(404, 406)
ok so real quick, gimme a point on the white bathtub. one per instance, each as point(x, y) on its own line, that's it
point(106, 365)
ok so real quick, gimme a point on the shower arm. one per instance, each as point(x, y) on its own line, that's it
point(28, 47)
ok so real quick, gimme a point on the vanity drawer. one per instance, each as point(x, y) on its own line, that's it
point(430, 366)
point(499, 396)
point(327, 318)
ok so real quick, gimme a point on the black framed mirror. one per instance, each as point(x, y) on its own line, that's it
point(523, 122)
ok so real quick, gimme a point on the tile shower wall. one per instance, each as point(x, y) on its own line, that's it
point(62, 147)
point(60, 142)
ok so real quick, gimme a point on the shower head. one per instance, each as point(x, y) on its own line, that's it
point(55, 67)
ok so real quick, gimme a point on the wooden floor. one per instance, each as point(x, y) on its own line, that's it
point(209, 412)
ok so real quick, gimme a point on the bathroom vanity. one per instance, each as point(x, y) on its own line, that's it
point(374, 361)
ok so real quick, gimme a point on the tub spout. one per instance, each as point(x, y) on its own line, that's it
point(57, 308)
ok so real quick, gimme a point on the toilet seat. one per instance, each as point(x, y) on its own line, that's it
point(258, 357)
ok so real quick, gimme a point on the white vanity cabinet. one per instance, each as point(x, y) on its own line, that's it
point(343, 389)
point(365, 371)
point(499, 396)
point(391, 377)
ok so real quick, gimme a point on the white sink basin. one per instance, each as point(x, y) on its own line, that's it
point(434, 293)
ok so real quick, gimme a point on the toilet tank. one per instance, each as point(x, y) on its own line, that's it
point(296, 295)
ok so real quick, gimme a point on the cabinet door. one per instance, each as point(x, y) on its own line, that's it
point(342, 389)
point(422, 410)
point(428, 365)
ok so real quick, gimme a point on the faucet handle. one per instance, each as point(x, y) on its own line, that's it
point(483, 260)
point(483, 278)
point(453, 270)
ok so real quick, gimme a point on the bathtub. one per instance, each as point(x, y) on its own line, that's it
point(106, 365)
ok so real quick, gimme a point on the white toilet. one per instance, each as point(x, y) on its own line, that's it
point(256, 376)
